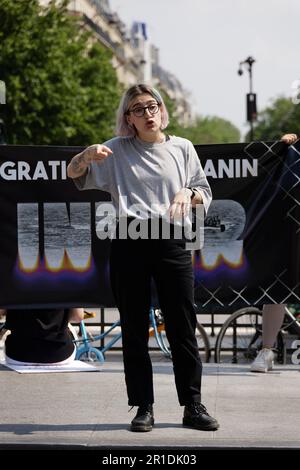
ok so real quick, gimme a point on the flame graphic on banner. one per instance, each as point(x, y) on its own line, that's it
point(67, 265)
point(42, 267)
point(219, 268)
point(220, 261)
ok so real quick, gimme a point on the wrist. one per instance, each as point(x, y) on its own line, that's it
point(187, 191)
point(191, 192)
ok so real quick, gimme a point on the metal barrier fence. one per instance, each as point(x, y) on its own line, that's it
point(211, 321)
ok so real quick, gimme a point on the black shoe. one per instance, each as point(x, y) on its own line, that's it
point(143, 420)
point(196, 416)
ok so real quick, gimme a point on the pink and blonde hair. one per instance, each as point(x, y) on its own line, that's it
point(122, 126)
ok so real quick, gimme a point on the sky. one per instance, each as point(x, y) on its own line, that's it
point(202, 42)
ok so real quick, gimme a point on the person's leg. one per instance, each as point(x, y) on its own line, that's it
point(173, 275)
point(66, 361)
point(272, 319)
point(273, 316)
point(130, 280)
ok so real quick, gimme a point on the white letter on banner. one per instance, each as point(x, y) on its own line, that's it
point(67, 234)
point(226, 168)
point(23, 171)
point(63, 170)
point(53, 165)
point(40, 172)
point(9, 174)
point(249, 167)
point(28, 235)
point(209, 169)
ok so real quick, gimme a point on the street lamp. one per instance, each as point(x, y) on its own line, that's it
point(251, 97)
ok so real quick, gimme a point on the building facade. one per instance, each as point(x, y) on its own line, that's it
point(135, 59)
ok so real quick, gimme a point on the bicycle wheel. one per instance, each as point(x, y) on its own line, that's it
point(240, 337)
point(90, 355)
point(163, 342)
point(202, 340)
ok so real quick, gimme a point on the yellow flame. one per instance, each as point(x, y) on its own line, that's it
point(65, 265)
point(27, 269)
point(222, 260)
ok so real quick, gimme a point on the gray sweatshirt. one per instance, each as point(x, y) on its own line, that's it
point(143, 178)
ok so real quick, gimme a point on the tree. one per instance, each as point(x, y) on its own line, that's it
point(205, 130)
point(281, 117)
point(61, 86)
point(174, 128)
point(212, 130)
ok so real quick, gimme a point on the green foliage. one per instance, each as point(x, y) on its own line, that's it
point(212, 130)
point(281, 117)
point(174, 127)
point(205, 130)
point(61, 86)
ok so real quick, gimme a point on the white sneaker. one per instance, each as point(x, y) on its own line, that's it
point(264, 361)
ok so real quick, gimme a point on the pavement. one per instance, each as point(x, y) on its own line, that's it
point(85, 410)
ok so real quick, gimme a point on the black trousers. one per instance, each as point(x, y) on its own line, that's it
point(133, 263)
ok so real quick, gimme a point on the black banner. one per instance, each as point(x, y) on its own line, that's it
point(50, 254)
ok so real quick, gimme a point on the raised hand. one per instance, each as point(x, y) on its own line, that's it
point(78, 165)
point(289, 138)
point(96, 152)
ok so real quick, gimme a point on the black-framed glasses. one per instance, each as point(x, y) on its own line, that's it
point(139, 111)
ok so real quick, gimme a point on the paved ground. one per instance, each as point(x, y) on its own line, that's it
point(90, 409)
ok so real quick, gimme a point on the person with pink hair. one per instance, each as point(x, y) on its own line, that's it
point(153, 178)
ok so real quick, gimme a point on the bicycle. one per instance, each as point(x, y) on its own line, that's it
point(156, 318)
point(87, 352)
point(240, 337)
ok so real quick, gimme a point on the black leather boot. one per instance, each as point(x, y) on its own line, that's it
point(143, 420)
point(196, 416)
